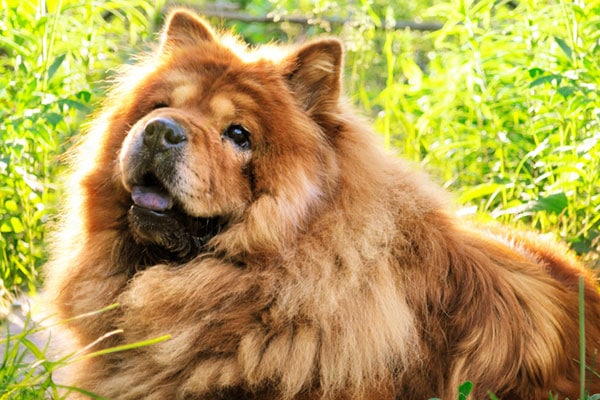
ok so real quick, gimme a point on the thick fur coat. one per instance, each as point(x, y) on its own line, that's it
point(229, 198)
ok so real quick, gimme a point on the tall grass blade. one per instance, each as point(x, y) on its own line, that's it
point(582, 360)
point(122, 348)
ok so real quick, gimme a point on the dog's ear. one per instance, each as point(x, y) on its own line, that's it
point(184, 28)
point(313, 73)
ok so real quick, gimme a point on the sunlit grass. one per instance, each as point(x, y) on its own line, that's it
point(501, 105)
point(28, 367)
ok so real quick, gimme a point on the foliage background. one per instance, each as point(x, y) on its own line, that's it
point(500, 104)
point(53, 58)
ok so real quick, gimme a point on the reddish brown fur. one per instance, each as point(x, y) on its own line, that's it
point(342, 274)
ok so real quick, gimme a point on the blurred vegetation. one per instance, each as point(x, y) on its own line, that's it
point(501, 104)
point(53, 56)
point(507, 110)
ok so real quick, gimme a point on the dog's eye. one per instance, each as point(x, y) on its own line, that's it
point(158, 105)
point(238, 135)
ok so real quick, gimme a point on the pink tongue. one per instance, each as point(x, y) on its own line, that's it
point(151, 197)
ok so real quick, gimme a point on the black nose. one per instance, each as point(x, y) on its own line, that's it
point(162, 134)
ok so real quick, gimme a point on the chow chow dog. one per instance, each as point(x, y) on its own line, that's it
point(229, 197)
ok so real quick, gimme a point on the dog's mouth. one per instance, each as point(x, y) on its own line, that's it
point(152, 197)
point(160, 224)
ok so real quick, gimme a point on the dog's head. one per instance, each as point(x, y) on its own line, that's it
point(225, 145)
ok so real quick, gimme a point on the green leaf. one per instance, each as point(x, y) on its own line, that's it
point(55, 64)
point(33, 348)
point(74, 104)
point(84, 96)
point(564, 47)
point(411, 70)
point(5, 227)
point(464, 390)
point(53, 118)
point(535, 72)
point(17, 226)
point(546, 79)
point(566, 91)
point(553, 204)
point(11, 206)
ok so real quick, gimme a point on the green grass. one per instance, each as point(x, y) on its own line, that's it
point(501, 105)
point(26, 370)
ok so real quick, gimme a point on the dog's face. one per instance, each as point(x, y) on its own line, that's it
point(214, 132)
point(186, 160)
